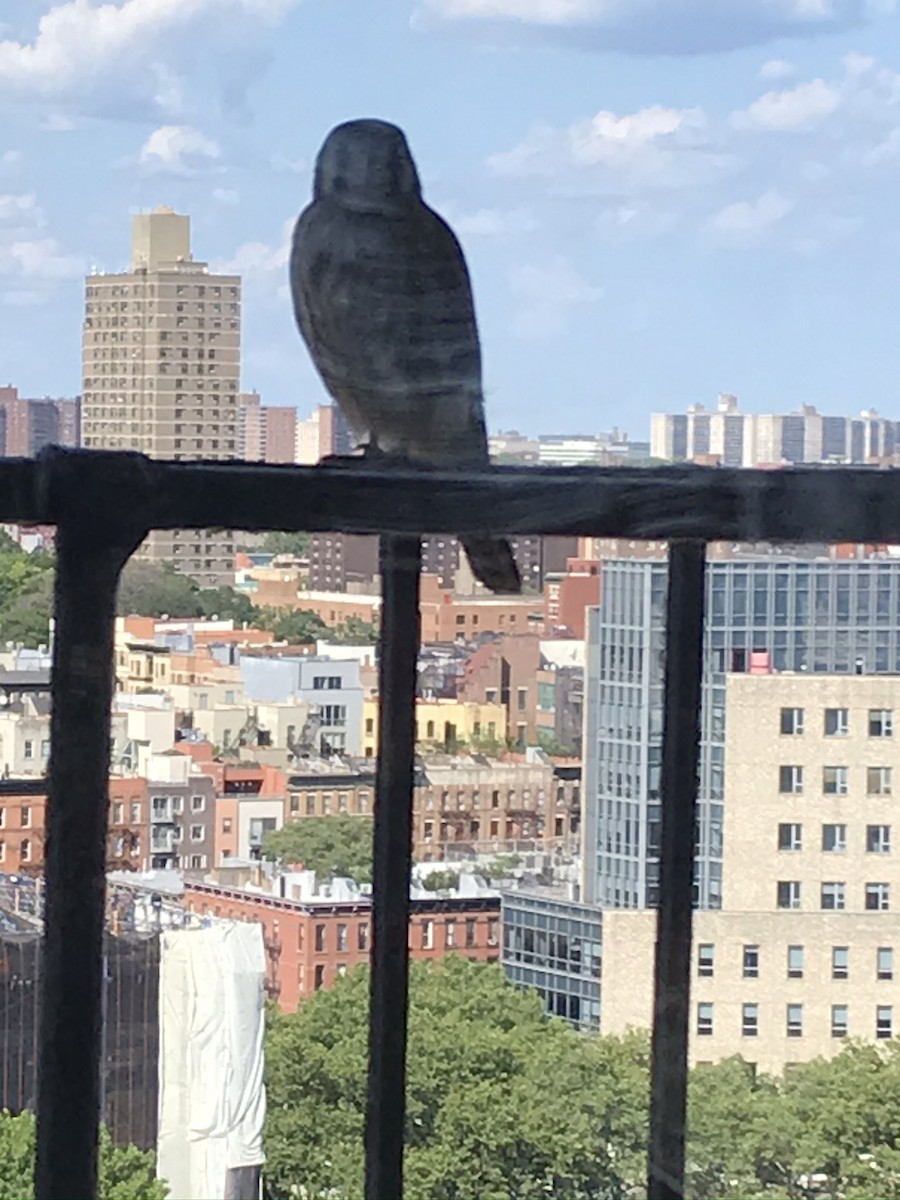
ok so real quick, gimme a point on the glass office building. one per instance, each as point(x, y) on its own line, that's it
point(778, 612)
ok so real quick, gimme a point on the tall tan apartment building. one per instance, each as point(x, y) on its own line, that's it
point(161, 370)
point(805, 951)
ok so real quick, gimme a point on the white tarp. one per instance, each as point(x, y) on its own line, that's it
point(211, 1093)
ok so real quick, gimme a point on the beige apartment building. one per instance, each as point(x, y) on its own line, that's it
point(161, 368)
point(805, 951)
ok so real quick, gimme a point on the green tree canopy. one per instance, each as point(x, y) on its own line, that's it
point(436, 881)
point(502, 1102)
point(285, 543)
point(355, 632)
point(126, 1173)
point(155, 590)
point(336, 845)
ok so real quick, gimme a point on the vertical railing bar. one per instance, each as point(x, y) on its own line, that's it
point(392, 862)
point(71, 975)
point(680, 764)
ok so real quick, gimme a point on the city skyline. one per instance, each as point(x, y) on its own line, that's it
point(716, 218)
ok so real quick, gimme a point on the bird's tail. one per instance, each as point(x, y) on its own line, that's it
point(492, 563)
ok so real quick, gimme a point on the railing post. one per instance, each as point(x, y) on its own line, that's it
point(680, 763)
point(71, 985)
point(392, 860)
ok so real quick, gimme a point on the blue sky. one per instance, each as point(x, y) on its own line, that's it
point(659, 199)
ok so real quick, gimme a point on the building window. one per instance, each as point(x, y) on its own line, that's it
point(884, 1021)
point(706, 957)
point(226, 824)
point(320, 938)
point(878, 839)
point(750, 1020)
point(885, 963)
point(118, 813)
point(318, 977)
point(833, 895)
point(198, 803)
point(834, 838)
point(196, 833)
point(751, 962)
point(795, 1020)
point(450, 934)
point(788, 893)
point(840, 962)
point(837, 722)
point(795, 962)
point(26, 816)
point(428, 935)
point(493, 931)
point(790, 780)
point(881, 722)
point(840, 1020)
point(29, 749)
point(704, 1020)
point(310, 803)
point(470, 932)
point(341, 938)
point(136, 813)
point(792, 721)
point(362, 935)
point(835, 781)
point(878, 897)
point(790, 837)
point(878, 781)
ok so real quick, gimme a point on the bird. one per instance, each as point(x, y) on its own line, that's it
point(383, 300)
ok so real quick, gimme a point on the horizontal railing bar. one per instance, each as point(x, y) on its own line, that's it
point(801, 504)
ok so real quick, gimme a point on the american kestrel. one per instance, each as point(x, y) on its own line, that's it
point(383, 300)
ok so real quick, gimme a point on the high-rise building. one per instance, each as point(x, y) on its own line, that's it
point(324, 432)
point(790, 614)
point(265, 432)
point(27, 426)
point(734, 439)
point(161, 366)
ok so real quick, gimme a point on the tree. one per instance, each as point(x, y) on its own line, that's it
point(226, 604)
point(355, 632)
point(502, 1102)
point(436, 881)
point(155, 590)
point(277, 543)
point(126, 1173)
point(25, 617)
point(299, 626)
point(337, 845)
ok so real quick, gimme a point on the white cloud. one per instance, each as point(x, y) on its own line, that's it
point(664, 26)
point(178, 150)
point(777, 68)
point(109, 56)
point(39, 259)
point(10, 160)
point(20, 209)
point(653, 148)
point(58, 123)
point(259, 259)
point(547, 294)
point(292, 166)
point(634, 220)
point(749, 219)
point(225, 196)
point(799, 108)
point(491, 222)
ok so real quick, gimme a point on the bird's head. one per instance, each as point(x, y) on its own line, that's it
point(366, 165)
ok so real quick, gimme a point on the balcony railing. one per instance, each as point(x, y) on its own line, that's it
point(104, 504)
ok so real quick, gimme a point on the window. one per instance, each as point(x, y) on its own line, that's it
point(118, 813)
point(840, 1020)
point(319, 977)
point(790, 837)
point(362, 935)
point(341, 938)
point(837, 722)
point(198, 862)
point(795, 962)
point(427, 935)
point(790, 780)
point(878, 781)
point(25, 850)
point(834, 838)
point(136, 813)
point(470, 932)
point(493, 931)
point(878, 839)
point(704, 1020)
point(878, 897)
point(706, 954)
point(26, 816)
point(792, 721)
point(750, 1020)
point(884, 1021)
point(450, 934)
point(840, 962)
point(885, 963)
point(320, 938)
point(522, 700)
point(795, 1020)
point(751, 962)
point(788, 893)
point(833, 895)
point(881, 722)
point(177, 804)
point(29, 749)
point(196, 833)
point(835, 781)
point(198, 803)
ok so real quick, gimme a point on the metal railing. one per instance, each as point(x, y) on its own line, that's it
point(105, 503)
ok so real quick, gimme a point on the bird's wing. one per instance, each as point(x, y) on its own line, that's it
point(385, 307)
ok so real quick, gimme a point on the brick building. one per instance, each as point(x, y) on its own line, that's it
point(511, 671)
point(312, 936)
point(567, 597)
point(128, 839)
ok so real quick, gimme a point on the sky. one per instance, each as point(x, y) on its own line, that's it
point(659, 200)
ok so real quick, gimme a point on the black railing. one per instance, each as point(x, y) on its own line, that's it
point(104, 504)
